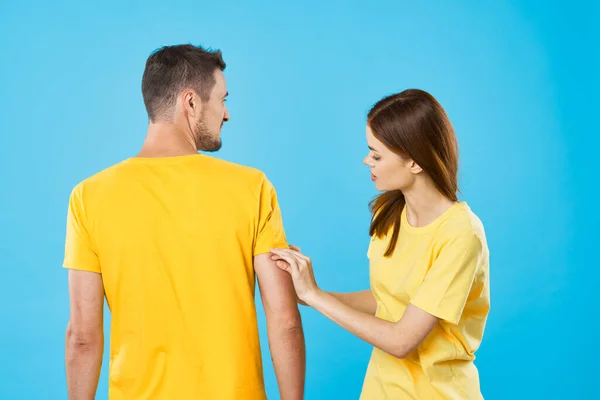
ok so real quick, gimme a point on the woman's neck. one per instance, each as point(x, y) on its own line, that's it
point(425, 203)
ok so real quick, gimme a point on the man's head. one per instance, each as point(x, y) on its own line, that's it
point(185, 85)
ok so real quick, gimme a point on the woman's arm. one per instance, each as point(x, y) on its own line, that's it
point(362, 301)
point(395, 338)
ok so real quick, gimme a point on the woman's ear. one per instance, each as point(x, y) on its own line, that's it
point(415, 168)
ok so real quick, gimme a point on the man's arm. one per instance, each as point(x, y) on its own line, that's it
point(362, 301)
point(284, 326)
point(85, 337)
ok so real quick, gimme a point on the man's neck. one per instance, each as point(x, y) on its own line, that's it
point(167, 140)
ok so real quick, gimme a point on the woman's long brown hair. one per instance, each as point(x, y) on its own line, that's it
point(413, 125)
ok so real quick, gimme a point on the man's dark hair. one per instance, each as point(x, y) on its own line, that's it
point(171, 69)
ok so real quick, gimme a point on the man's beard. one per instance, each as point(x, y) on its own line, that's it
point(204, 140)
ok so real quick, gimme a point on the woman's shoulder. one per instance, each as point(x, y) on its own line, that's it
point(463, 222)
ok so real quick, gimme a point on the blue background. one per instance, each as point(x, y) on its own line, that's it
point(518, 80)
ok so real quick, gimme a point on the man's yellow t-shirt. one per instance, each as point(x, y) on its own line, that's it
point(443, 269)
point(174, 240)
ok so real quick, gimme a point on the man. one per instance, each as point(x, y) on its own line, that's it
point(174, 239)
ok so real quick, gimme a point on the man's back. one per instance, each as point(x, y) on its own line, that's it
point(174, 239)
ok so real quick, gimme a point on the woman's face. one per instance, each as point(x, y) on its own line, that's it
point(389, 171)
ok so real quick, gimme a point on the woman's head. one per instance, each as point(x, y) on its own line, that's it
point(410, 137)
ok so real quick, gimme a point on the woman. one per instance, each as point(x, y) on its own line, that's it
point(426, 311)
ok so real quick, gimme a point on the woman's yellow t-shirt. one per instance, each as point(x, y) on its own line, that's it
point(443, 269)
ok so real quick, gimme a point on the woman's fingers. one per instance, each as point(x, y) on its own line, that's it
point(298, 252)
point(284, 266)
point(293, 251)
point(300, 269)
point(276, 257)
point(290, 259)
point(290, 253)
point(302, 256)
point(281, 262)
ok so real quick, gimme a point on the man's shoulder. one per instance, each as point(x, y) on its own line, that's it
point(227, 171)
point(234, 168)
point(238, 173)
point(98, 179)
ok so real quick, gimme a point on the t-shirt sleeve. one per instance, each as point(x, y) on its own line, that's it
point(269, 233)
point(446, 287)
point(79, 251)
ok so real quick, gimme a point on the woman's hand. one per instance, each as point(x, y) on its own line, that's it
point(300, 268)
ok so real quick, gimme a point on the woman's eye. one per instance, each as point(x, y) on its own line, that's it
point(376, 158)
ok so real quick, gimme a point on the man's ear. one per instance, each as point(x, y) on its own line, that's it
point(191, 102)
